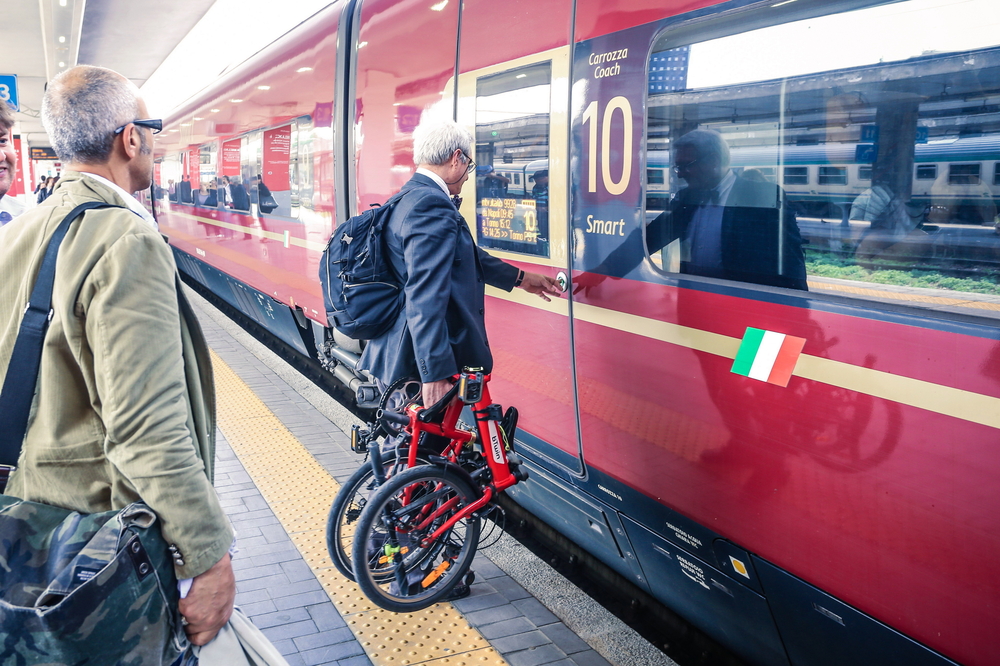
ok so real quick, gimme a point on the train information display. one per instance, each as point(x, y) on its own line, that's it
point(509, 220)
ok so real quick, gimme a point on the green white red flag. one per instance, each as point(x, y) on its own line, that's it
point(768, 356)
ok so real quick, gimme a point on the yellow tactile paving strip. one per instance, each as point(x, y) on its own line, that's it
point(300, 493)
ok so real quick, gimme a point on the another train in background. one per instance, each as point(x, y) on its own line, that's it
point(956, 180)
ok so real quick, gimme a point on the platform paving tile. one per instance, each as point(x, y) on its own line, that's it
point(280, 593)
point(535, 656)
point(521, 641)
point(564, 638)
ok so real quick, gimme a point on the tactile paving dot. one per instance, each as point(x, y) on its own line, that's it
point(300, 493)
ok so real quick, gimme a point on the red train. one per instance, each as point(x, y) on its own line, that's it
point(810, 476)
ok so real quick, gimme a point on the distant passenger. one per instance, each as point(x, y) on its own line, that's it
point(494, 184)
point(224, 195)
point(444, 273)
point(265, 200)
point(172, 190)
point(123, 410)
point(44, 193)
point(184, 189)
point(9, 206)
point(211, 199)
point(727, 226)
point(540, 193)
point(238, 192)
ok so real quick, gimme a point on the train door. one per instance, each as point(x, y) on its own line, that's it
point(513, 91)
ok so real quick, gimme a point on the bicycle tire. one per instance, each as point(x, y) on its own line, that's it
point(346, 510)
point(407, 578)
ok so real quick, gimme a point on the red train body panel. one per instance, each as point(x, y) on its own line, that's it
point(870, 477)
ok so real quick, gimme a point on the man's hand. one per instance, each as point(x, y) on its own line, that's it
point(209, 604)
point(432, 392)
point(543, 285)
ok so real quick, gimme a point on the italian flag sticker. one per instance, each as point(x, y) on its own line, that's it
point(768, 356)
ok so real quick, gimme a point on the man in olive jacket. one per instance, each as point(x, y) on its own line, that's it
point(124, 404)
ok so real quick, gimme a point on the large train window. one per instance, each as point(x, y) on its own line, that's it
point(886, 148)
point(512, 159)
point(302, 173)
point(234, 192)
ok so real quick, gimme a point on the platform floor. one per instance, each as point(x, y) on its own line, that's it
point(281, 453)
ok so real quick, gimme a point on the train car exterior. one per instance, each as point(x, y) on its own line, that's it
point(808, 475)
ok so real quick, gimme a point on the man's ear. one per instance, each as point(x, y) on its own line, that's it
point(131, 141)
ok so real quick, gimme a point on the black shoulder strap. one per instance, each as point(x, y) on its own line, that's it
point(22, 372)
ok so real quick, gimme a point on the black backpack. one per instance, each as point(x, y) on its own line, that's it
point(362, 294)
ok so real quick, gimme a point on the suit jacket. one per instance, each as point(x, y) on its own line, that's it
point(442, 327)
point(751, 227)
point(184, 191)
point(124, 406)
point(240, 199)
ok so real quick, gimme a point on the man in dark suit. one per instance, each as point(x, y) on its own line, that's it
point(724, 225)
point(184, 189)
point(444, 273)
point(241, 200)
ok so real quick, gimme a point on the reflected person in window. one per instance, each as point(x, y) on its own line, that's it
point(724, 225)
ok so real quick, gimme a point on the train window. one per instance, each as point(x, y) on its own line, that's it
point(235, 192)
point(274, 188)
point(305, 154)
point(250, 154)
point(963, 174)
point(512, 138)
point(204, 190)
point(171, 171)
point(654, 176)
point(789, 97)
point(796, 176)
point(832, 175)
point(996, 173)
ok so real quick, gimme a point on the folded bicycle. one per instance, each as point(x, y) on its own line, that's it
point(406, 525)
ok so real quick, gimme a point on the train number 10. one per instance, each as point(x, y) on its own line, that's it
point(590, 115)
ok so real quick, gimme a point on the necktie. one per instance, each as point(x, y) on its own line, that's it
point(457, 200)
point(5, 217)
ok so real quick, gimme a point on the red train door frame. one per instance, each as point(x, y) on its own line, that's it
point(532, 341)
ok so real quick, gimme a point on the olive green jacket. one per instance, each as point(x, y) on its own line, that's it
point(124, 408)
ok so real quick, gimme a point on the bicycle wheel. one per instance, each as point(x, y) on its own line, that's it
point(346, 509)
point(396, 571)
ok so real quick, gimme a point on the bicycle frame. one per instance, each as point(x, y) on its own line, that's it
point(493, 449)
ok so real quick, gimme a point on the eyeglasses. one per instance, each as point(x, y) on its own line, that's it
point(471, 165)
point(685, 165)
point(154, 124)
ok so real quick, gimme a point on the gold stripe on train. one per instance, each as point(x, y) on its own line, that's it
point(957, 403)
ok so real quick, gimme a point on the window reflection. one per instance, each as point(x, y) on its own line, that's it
point(887, 154)
point(512, 154)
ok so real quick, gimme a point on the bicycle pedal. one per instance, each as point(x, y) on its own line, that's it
point(509, 424)
point(359, 439)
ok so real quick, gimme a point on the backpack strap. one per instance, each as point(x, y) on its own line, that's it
point(22, 371)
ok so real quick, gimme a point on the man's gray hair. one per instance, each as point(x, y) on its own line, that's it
point(6, 116)
point(706, 143)
point(435, 143)
point(83, 107)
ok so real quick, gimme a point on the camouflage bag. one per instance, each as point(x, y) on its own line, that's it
point(94, 589)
